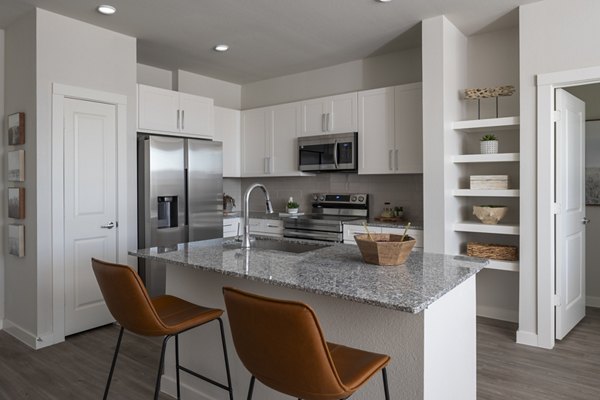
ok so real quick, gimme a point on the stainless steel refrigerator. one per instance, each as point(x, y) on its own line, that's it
point(180, 197)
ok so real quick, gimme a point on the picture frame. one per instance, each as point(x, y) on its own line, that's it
point(16, 129)
point(16, 166)
point(592, 163)
point(16, 202)
point(16, 240)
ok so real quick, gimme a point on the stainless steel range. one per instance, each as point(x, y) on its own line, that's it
point(329, 212)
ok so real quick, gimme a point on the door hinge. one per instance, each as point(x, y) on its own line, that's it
point(556, 116)
point(556, 300)
point(555, 208)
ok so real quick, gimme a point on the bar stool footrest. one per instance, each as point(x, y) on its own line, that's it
point(204, 378)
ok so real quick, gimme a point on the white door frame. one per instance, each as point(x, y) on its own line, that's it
point(59, 93)
point(546, 263)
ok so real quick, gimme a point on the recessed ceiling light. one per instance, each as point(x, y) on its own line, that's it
point(221, 47)
point(106, 9)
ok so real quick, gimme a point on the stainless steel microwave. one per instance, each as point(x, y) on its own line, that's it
point(328, 153)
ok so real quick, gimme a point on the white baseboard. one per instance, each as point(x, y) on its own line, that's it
point(527, 338)
point(20, 334)
point(1, 324)
point(168, 385)
point(591, 301)
point(498, 313)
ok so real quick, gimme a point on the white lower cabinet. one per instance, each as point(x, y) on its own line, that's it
point(266, 227)
point(351, 230)
point(231, 227)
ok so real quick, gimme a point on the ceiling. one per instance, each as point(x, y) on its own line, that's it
point(270, 38)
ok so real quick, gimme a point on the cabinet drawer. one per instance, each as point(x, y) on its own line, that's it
point(267, 227)
point(230, 227)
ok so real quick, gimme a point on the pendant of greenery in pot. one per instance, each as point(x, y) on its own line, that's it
point(489, 144)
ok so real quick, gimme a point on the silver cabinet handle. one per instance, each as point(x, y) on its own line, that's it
point(178, 119)
point(397, 168)
point(110, 225)
point(266, 165)
point(182, 119)
point(390, 160)
point(323, 129)
point(273, 226)
point(329, 123)
point(585, 221)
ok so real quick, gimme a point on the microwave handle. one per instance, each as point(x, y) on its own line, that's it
point(335, 153)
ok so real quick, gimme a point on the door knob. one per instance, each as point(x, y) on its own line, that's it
point(585, 221)
point(110, 225)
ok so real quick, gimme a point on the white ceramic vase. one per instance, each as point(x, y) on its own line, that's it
point(489, 146)
point(292, 211)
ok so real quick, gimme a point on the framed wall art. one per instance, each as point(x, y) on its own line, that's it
point(16, 202)
point(16, 129)
point(16, 240)
point(16, 166)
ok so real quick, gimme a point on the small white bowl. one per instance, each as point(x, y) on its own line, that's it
point(292, 210)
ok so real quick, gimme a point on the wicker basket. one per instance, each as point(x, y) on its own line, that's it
point(493, 251)
point(384, 249)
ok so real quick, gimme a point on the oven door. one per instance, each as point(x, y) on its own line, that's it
point(313, 235)
point(328, 153)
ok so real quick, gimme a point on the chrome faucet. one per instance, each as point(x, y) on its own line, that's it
point(246, 238)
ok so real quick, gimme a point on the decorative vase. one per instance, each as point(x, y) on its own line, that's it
point(489, 147)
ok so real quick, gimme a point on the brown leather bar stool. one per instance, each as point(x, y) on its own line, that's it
point(168, 316)
point(281, 343)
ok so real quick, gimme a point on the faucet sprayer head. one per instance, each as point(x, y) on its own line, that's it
point(269, 207)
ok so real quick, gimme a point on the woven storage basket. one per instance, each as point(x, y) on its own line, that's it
point(493, 251)
point(385, 249)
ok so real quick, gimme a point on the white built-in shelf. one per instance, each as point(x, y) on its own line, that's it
point(486, 193)
point(503, 265)
point(478, 227)
point(483, 158)
point(485, 125)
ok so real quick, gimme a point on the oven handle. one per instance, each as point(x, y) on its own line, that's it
point(335, 153)
point(309, 235)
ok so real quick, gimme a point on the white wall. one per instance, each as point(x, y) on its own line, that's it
point(20, 79)
point(225, 94)
point(554, 36)
point(153, 76)
point(369, 73)
point(2, 182)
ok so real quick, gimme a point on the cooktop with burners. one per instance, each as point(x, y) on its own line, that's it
point(329, 212)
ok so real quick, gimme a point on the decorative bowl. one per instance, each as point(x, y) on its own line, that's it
point(385, 249)
point(490, 215)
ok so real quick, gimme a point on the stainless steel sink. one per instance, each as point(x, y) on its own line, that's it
point(280, 245)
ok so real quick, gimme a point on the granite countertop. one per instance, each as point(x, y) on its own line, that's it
point(401, 224)
point(336, 270)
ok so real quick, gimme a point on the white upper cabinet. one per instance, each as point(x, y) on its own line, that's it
point(167, 111)
point(334, 114)
point(269, 146)
point(227, 130)
point(390, 130)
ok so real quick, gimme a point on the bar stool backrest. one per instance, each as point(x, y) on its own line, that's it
point(127, 298)
point(281, 343)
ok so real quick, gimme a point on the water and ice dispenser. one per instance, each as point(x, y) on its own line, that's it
point(167, 212)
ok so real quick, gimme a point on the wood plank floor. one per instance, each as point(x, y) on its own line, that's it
point(77, 369)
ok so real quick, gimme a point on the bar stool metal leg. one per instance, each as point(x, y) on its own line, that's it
point(161, 366)
point(229, 386)
point(114, 362)
point(251, 388)
point(385, 384)
point(177, 367)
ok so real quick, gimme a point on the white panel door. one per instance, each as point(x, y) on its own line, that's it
point(227, 130)
point(197, 115)
point(158, 109)
point(255, 159)
point(342, 113)
point(376, 131)
point(284, 148)
point(570, 221)
point(408, 153)
point(90, 207)
point(314, 117)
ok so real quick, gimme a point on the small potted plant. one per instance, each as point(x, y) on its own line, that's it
point(292, 206)
point(489, 144)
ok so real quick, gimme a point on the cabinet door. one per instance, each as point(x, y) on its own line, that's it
point(196, 115)
point(342, 113)
point(254, 142)
point(417, 234)
point(313, 117)
point(227, 130)
point(284, 149)
point(231, 227)
point(376, 131)
point(157, 109)
point(408, 153)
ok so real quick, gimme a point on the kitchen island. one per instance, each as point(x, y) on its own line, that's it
point(422, 313)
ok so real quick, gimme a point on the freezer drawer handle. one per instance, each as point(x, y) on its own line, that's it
point(110, 225)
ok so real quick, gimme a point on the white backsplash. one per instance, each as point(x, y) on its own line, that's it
point(399, 190)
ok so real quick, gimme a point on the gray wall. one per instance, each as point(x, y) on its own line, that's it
point(20, 92)
point(225, 94)
point(369, 73)
point(2, 182)
point(399, 190)
point(152, 76)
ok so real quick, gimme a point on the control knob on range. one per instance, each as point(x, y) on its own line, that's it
point(315, 197)
point(353, 198)
point(361, 198)
point(321, 198)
